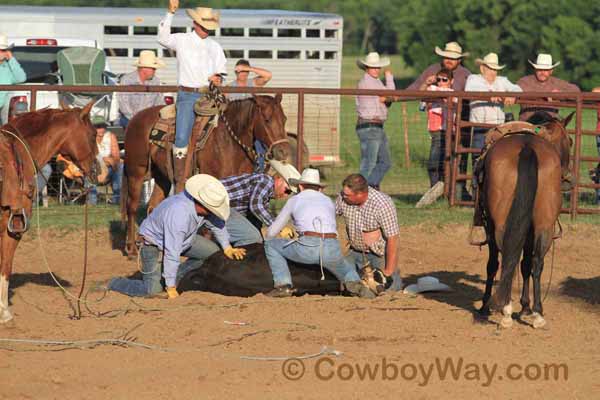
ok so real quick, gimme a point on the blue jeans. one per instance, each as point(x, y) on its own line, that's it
point(123, 121)
point(115, 181)
point(437, 151)
point(261, 151)
point(241, 231)
point(375, 158)
point(307, 250)
point(151, 259)
point(477, 143)
point(42, 178)
point(184, 121)
point(356, 258)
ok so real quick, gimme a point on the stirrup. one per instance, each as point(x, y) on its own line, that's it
point(11, 227)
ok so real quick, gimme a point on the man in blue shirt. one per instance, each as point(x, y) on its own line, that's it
point(11, 71)
point(171, 231)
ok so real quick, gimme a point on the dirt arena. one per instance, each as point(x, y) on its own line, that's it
point(392, 347)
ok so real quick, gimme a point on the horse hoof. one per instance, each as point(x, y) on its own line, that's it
point(5, 316)
point(506, 322)
point(538, 321)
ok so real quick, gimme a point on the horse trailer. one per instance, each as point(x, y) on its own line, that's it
point(301, 49)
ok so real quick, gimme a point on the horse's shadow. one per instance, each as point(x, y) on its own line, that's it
point(42, 279)
point(464, 293)
point(587, 290)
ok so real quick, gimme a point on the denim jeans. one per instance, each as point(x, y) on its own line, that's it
point(375, 158)
point(184, 121)
point(241, 231)
point(477, 143)
point(123, 121)
point(115, 181)
point(307, 250)
point(437, 151)
point(43, 177)
point(261, 150)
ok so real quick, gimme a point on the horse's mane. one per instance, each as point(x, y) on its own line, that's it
point(541, 118)
point(239, 113)
point(36, 122)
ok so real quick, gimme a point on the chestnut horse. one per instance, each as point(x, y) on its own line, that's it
point(521, 198)
point(259, 117)
point(39, 135)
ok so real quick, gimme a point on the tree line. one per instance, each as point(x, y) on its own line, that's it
point(515, 29)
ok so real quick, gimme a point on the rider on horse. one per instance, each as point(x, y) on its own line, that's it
point(200, 60)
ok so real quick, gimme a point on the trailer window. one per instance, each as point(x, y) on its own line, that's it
point(313, 33)
point(331, 33)
point(37, 61)
point(232, 31)
point(145, 30)
point(178, 29)
point(136, 52)
point(261, 32)
point(116, 30)
point(288, 54)
point(168, 53)
point(260, 54)
point(312, 54)
point(289, 33)
point(234, 53)
point(331, 55)
point(116, 52)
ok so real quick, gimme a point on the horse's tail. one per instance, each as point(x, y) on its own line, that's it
point(518, 223)
point(124, 196)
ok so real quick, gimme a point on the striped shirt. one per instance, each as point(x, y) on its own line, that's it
point(251, 193)
point(378, 212)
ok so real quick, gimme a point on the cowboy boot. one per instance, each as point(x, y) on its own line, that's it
point(179, 158)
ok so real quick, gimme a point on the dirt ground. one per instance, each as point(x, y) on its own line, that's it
point(391, 347)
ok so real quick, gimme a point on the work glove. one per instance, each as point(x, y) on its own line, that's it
point(172, 292)
point(287, 233)
point(234, 254)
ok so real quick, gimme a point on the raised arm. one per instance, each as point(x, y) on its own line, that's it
point(165, 37)
point(263, 77)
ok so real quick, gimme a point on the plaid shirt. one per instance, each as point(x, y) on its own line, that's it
point(251, 192)
point(378, 212)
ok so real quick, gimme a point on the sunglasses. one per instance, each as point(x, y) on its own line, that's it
point(442, 79)
point(288, 191)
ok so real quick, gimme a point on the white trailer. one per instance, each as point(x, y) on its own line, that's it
point(302, 49)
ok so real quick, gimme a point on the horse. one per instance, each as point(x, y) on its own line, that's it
point(227, 151)
point(521, 200)
point(27, 141)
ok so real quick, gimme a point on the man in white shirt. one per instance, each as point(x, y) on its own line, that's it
point(200, 60)
point(313, 215)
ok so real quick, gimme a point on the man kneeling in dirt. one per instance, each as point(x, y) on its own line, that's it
point(372, 226)
point(171, 231)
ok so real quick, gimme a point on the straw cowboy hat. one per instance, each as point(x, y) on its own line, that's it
point(148, 59)
point(310, 176)
point(427, 284)
point(208, 191)
point(373, 60)
point(4, 45)
point(543, 61)
point(452, 50)
point(205, 17)
point(287, 171)
point(490, 61)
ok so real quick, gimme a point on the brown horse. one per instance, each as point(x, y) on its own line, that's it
point(39, 135)
point(259, 117)
point(521, 198)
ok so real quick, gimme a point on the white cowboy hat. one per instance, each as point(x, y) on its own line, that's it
point(205, 17)
point(208, 191)
point(148, 59)
point(310, 176)
point(373, 60)
point(287, 171)
point(427, 284)
point(543, 61)
point(4, 45)
point(490, 61)
point(451, 50)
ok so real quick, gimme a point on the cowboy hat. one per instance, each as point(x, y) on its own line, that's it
point(451, 50)
point(209, 192)
point(205, 17)
point(543, 61)
point(4, 45)
point(287, 171)
point(373, 60)
point(310, 176)
point(490, 61)
point(148, 59)
point(427, 284)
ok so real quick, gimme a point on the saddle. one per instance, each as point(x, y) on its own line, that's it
point(17, 183)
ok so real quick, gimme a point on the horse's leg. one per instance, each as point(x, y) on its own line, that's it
point(492, 269)
point(542, 244)
point(162, 187)
point(134, 191)
point(7, 249)
point(526, 274)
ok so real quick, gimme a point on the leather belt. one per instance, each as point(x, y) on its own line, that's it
point(190, 89)
point(363, 125)
point(323, 235)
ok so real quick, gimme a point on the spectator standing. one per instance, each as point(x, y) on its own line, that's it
point(11, 71)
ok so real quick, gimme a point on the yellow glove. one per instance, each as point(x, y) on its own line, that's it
point(172, 292)
point(234, 254)
point(287, 233)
